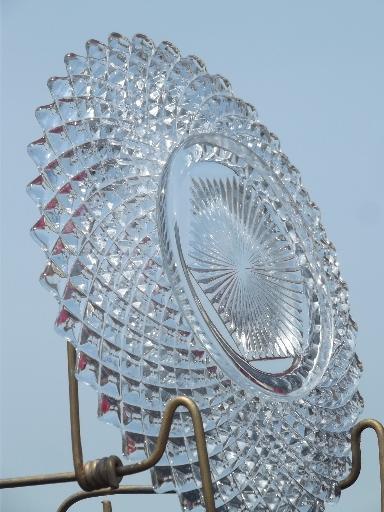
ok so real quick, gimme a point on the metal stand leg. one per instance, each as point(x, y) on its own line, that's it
point(107, 506)
point(102, 477)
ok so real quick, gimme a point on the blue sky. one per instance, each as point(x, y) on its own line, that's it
point(313, 70)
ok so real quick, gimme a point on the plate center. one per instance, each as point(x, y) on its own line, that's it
point(242, 265)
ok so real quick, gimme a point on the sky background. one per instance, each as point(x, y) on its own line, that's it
point(314, 71)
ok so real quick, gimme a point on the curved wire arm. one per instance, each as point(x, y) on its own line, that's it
point(356, 454)
point(102, 477)
point(110, 471)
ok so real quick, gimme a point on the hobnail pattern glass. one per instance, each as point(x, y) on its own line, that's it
point(186, 257)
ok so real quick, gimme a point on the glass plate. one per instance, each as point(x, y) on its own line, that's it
point(187, 259)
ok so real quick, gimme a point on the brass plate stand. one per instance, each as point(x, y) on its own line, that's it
point(102, 477)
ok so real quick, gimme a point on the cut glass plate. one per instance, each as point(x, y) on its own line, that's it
point(187, 259)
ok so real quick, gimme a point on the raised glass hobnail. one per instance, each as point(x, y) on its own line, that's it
point(187, 259)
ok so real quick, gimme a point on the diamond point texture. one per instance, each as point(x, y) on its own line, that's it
point(115, 119)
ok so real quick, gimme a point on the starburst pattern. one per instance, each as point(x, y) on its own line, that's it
point(244, 263)
point(114, 120)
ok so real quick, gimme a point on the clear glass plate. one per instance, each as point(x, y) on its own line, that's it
point(187, 259)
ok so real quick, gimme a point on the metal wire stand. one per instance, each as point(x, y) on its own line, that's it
point(102, 477)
